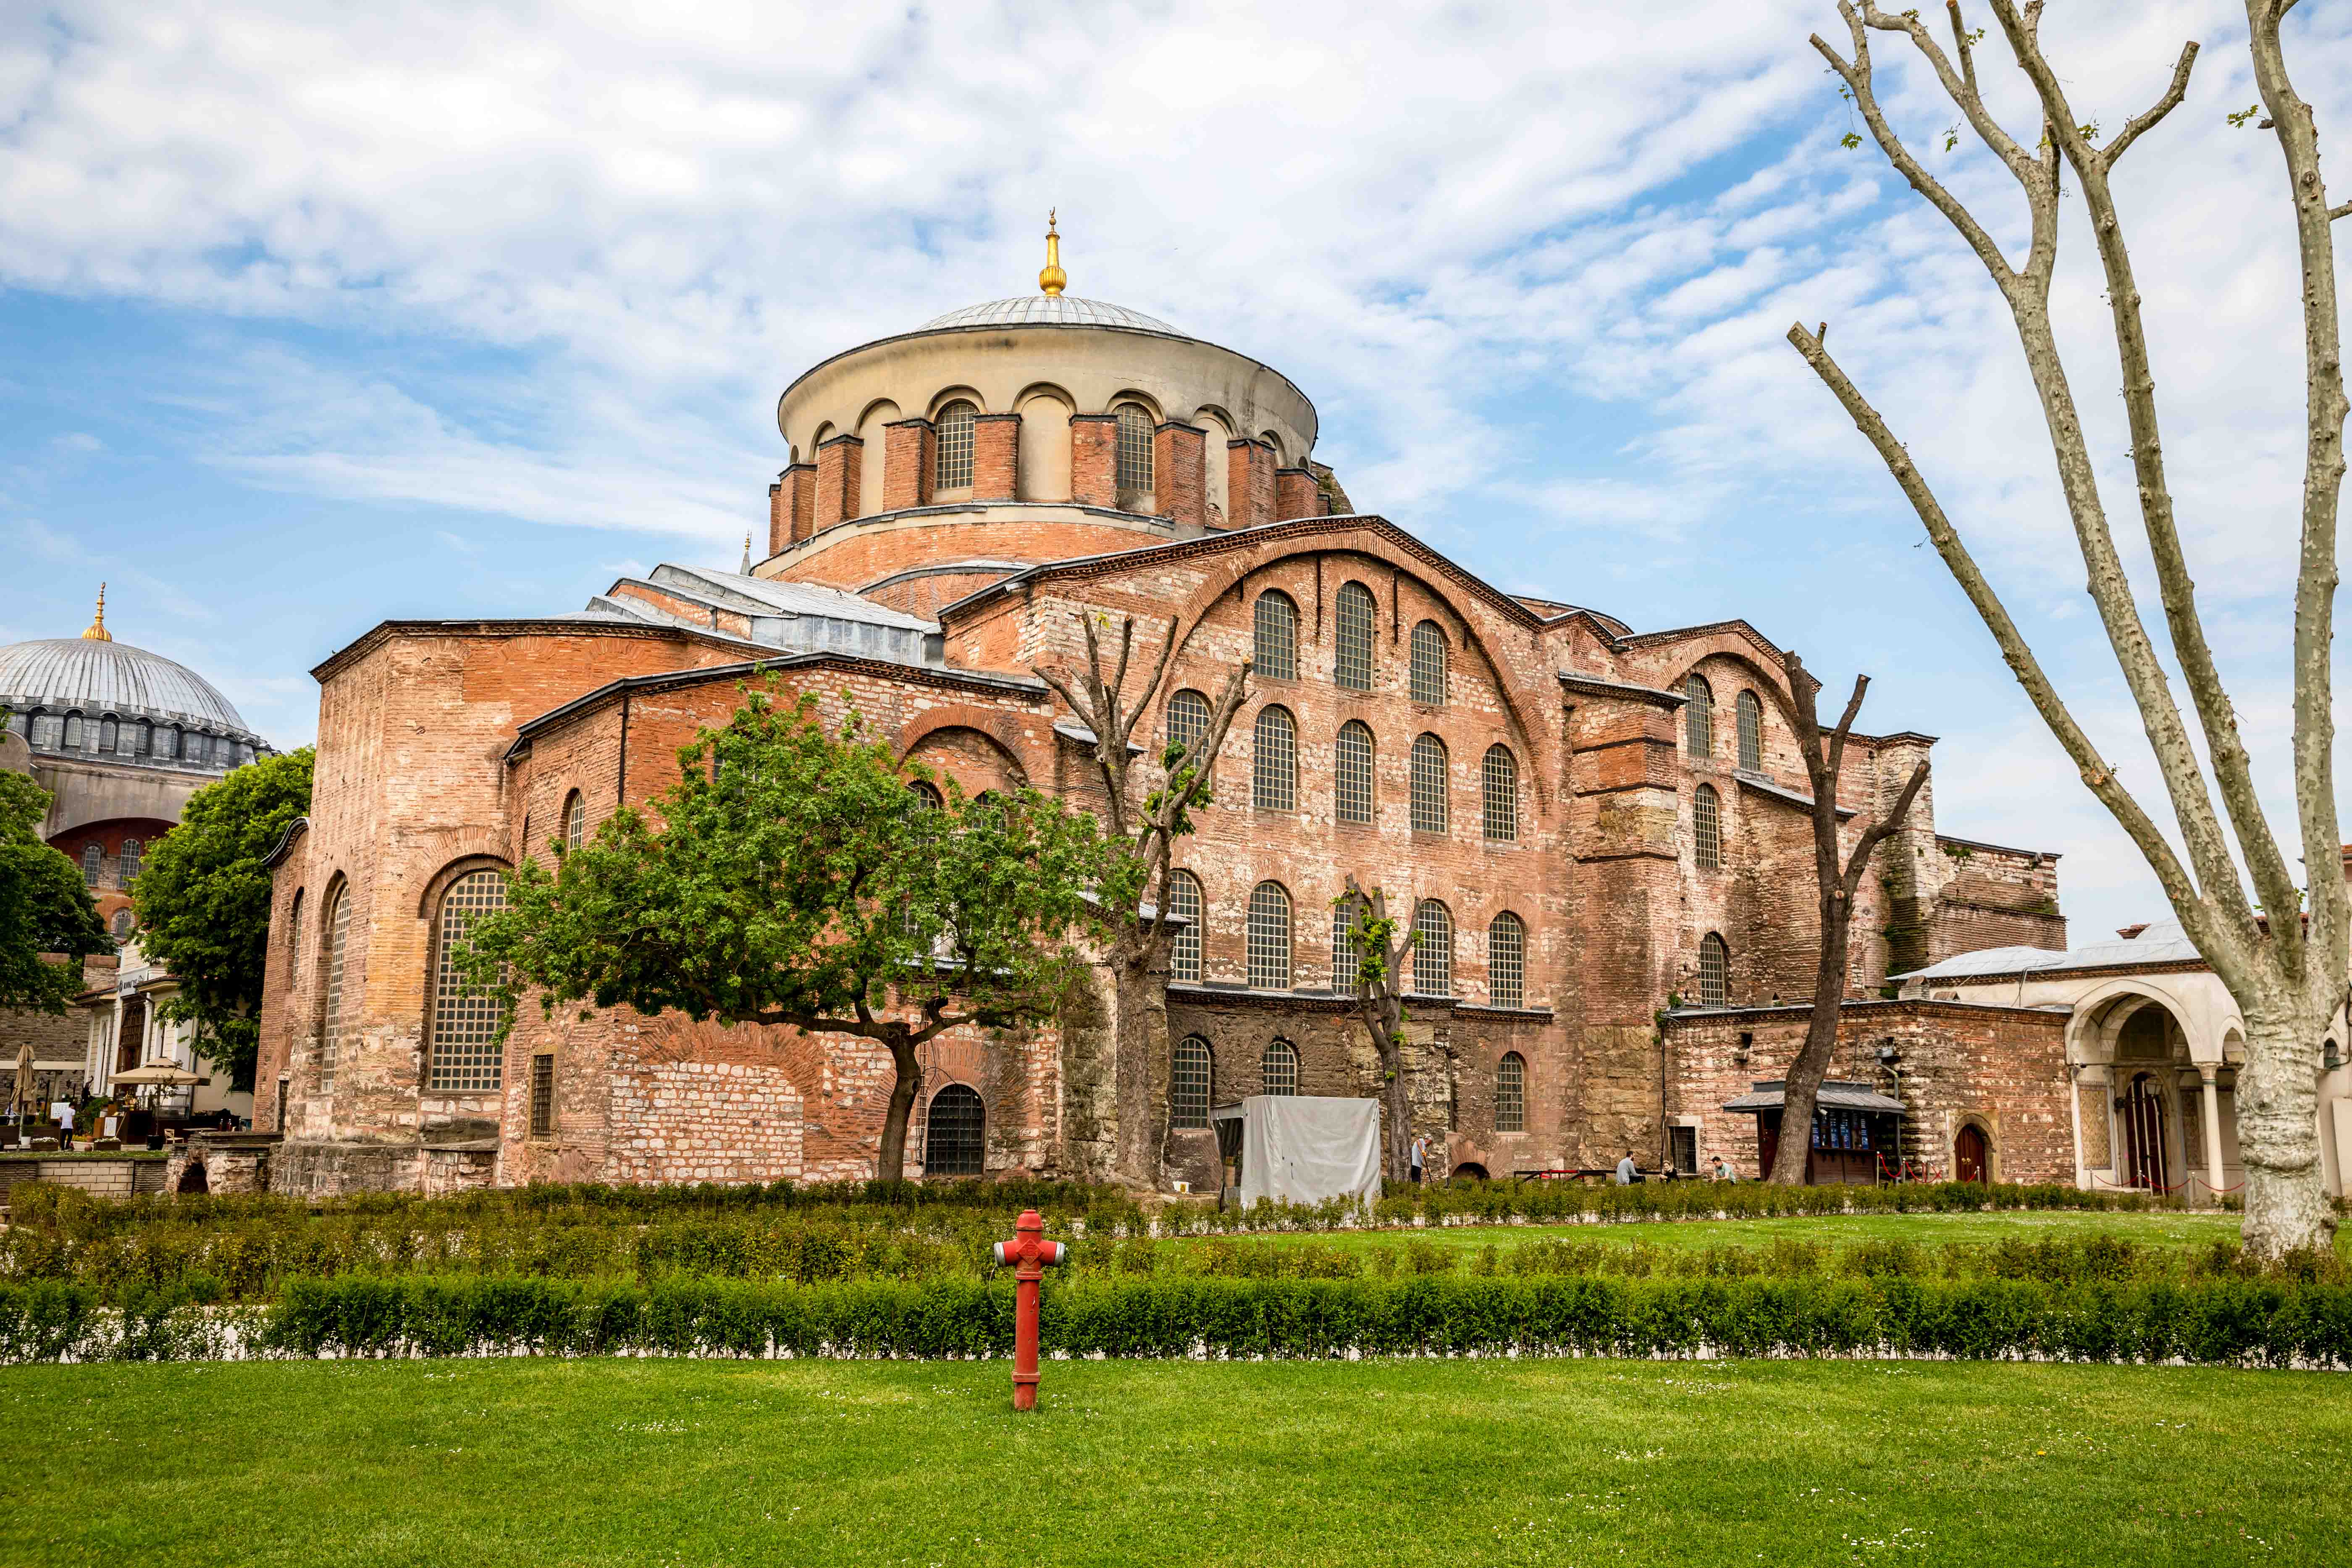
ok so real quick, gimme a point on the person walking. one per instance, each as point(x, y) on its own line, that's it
point(65, 1124)
point(1419, 1158)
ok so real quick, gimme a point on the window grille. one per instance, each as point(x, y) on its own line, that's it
point(1346, 955)
point(1698, 716)
point(1269, 938)
point(1499, 792)
point(126, 865)
point(1428, 664)
point(955, 1133)
point(167, 741)
point(1707, 828)
point(1428, 785)
point(1275, 655)
point(73, 732)
point(1432, 955)
point(1185, 901)
point(953, 471)
point(339, 926)
point(1682, 1147)
point(1351, 773)
point(1714, 972)
point(93, 864)
point(465, 1048)
point(1273, 761)
point(1134, 448)
point(1511, 1093)
point(1507, 960)
point(1751, 731)
point(1187, 717)
point(48, 731)
point(143, 739)
point(575, 820)
point(1351, 664)
point(1278, 1068)
point(110, 730)
point(1189, 1084)
point(542, 1096)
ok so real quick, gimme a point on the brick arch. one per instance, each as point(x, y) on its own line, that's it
point(960, 392)
point(446, 848)
point(1001, 730)
point(1152, 404)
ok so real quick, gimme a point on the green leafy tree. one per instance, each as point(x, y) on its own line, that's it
point(794, 877)
point(202, 898)
point(47, 924)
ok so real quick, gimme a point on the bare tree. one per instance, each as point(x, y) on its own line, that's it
point(1135, 911)
point(1380, 942)
point(1837, 883)
point(2287, 976)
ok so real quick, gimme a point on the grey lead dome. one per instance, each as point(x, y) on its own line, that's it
point(95, 678)
point(1049, 311)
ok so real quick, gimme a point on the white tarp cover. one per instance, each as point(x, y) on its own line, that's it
point(1303, 1149)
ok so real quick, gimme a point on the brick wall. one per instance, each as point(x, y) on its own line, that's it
point(996, 456)
point(704, 1121)
point(1094, 460)
point(840, 470)
point(909, 463)
point(1249, 483)
point(1295, 494)
point(1176, 480)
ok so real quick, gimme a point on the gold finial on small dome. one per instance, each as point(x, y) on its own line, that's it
point(98, 632)
point(1053, 278)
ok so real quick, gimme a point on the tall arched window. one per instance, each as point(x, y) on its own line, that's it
point(1186, 719)
point(1707, 828)
point(1273, 761)
point(109, 729)
point(1428, 664)
point(1511, 1093)
point(1277, 1069)
point(1714, 972)
point(575, 820)
point(1428, 785)
point(1351, 773)
point(331, 1014)
point(1269, 938)
point(955, 1132)
point(1190, 1080)
point(1134, 448)
point(142, 738)
point(1750, 710)
point(93, 863)
point(1499, 795)
point(1698, 715)
point(126, 867)
point(1352, 662)
point(1184, 901)
point(1432, 955)
point(73, 732)
point(953, 469)
point(1347, 959)
point(1275, 651)
point(465, 1056)
point(46, 731)
point(294, 944)
point(167, 741)
point(1507, 960)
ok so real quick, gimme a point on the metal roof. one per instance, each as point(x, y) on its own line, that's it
point(1049, 311)
point(99, 676)
point(2162, 941)
point(1835, 1094)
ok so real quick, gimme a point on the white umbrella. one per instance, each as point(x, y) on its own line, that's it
point(158, 1073)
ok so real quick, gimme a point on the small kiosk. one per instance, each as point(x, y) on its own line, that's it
point(1857, 1132)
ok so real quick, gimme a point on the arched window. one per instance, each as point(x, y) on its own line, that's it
point(1698, 716)
point(1352, 662)
point(1273, 761)
point(1274, 653)
point(167, 741)
point(197, 746)
point(1428, 785)
point(1751, 730)
point(1346, 958)
point(143, 739)
point(1707, 828)
point(1269, 938)
point(955, 1133)
point(1277, 1069)
point(1428, 664)
point(1511, 1093)
point(1714, 972)
point(47, 732)
point(464, 1055)
point(109, 731)
point(1432, 955)
point(73, 732)
point(1351, 773)
point(1187, 717)
point(294, 943)
point(1190, 1079)
point(1134, 448)
point(1499, 794)
point(1507, 960)
point(120, 928)
point(93, 863)
point(331, 1014)
point(1184, 901)
point(575, 820)
point(953, 470)
point(126, 867)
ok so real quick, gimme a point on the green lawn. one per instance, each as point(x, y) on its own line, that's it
point(1298, 1464)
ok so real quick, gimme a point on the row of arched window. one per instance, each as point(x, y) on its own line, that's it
point(1270, 941)
point(112, 737)
point(126, 863)
point(1192, 1083)
point(1274, 652)
point(1274, 771)
point(1698, 722)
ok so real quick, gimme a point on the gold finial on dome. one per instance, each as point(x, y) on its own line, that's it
point(98, 632)
point(1053, 278)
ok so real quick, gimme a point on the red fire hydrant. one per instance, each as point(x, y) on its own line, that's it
point(1028, 1252)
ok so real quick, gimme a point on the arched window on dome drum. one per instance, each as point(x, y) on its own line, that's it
point(330, 1014)
point(47, 732)
point(1184, 951)
point(1714, 972)
point(1190, 1082)
point(1432, 955)
point(73, 732)
point(1351, 660)
point(1274, 760)
point(110, 730)
point(1511, 1093)
point(1351, 773)
point(1698, 716)
point(1498, 790)
point(1278, 1068)
point(1707, 828)
point(954, 468)
point(1134, 449)
point(198, 746)
point(1428, 770)
point(1507, 960)
point(1428, 664)
point(1269, 938)
point(575, 820)
point(93, 864)
point(1750, 710)
point(1187, 720)
point(466, 1058)
point(955, 1133)
point(126, 865)
point(143, 739)
point(167, 742)
point(1274, 652)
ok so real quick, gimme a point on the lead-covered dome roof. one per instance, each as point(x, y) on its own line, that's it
point(95, 677)
point(1049, 311)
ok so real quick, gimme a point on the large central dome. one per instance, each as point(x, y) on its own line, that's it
point(85, 674)
point(1049, 311)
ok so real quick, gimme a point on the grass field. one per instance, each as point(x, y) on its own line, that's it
point(1299, 1465)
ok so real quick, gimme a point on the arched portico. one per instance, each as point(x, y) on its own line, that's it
point(2154, 1059)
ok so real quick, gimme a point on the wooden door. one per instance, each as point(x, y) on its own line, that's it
point(1968, 1162)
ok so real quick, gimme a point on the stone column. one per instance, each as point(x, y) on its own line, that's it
point(2094, 1119)
point(2212, 1098)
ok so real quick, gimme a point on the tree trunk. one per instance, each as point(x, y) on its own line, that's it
point(891, 1165)
point(1139, 1050)
point(2287, 1208)
point(1801, 1090)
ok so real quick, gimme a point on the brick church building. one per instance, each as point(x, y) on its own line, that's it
point(1604, 832)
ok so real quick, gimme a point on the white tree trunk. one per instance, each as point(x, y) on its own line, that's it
point(2278, 1131)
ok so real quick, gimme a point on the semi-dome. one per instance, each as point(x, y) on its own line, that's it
point(1049, 311)
point(95, 677)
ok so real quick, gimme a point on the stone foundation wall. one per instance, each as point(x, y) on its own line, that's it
point(705, 1121)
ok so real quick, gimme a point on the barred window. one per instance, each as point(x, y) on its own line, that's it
point(1714, 972)
point(1707, 828)
point(1351, 773)
point(1190, 1082)
point(1278, 1068)
point(955, 1133)
point(1269, 938)
point(953, 469)
point(1184, 901)
point(542, 1096)
point(93, 864)
point(465, 1051)
point(1698, 716)
point(1507, 960)
point(1347, 955)
point(1186, 718)
point(1432, 955)
point(1428, 785)
point(294, 943)
point(1134, 448)
point(1428, 664)
point(1273, 761)
point(339, 927)
point(1500, 793)
point(109, 729)
point(1511, 1093)
point(126, 867)
point(1351, 664)
point(46, 731)
point(73, 732)
point(167, 741)
point(143, 740)
point(1275, 653)
point(575, 820)
point(1751, 731)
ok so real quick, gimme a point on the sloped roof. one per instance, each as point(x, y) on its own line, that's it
point(2163, 941)
point(1049, 311)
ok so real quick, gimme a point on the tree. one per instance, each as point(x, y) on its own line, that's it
point(1140, 934)
point(791, 877)
point(202, 897)
point(1380, 942)
point(47, 922)
point(1836, 884)
point(2287, 976)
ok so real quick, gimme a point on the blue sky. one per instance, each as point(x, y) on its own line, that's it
point(309, 318)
